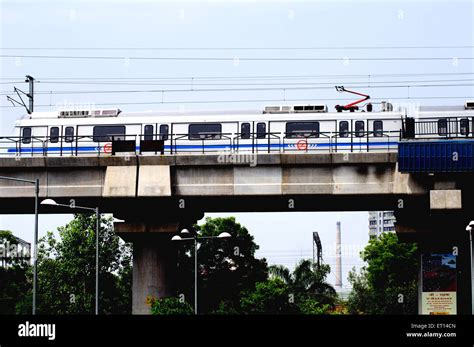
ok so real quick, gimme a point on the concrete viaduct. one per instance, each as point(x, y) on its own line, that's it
point(158, 195)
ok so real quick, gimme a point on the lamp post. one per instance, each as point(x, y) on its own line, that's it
point(469, 228)
point(196, 240)
point(51, 202)
point(35, 182)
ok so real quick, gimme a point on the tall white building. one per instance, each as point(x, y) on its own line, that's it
point(381, 222)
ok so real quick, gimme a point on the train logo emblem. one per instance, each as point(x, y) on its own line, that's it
point(108, 148)
point(302, 145)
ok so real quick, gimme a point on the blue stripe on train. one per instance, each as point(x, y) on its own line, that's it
point(168, 147)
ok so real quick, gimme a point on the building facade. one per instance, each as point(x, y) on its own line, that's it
point(381, 222)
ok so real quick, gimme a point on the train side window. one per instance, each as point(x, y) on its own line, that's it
point(378, 128)
point(69, 134)
point(442, 127)
point(26, 135)
point(205, 131)
point(105, 133)
point(54, 135)
point(261, 130)
point(245, 131)
point(464, 126)
point(302, 129)
point(148, 132)
point(164, 132)
point(343, 128)
point(359, 128)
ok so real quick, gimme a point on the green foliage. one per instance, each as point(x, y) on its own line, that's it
point(269, 297)
point(307, 282)
point(391, 272)
point(170, 306)
point(66, 269)
point(227, 267)
point(311, 306)
point(226, 307)
point(14, 282)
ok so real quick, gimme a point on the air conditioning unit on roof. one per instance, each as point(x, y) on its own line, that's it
point(310, 108)
point(277, 109)
point(469, 105)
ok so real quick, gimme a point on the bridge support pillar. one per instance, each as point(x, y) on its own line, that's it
point(154, 260)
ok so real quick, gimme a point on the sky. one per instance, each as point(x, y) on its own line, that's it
point(142, 29)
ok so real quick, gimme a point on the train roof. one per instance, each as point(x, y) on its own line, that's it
point(275, 110)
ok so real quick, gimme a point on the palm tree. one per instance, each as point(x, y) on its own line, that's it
point(307, 280)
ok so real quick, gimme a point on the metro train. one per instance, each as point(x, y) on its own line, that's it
point(298, 128)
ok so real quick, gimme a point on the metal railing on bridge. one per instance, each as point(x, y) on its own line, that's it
point(175, 144)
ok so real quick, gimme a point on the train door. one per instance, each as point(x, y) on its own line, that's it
point(383, 134)
point(164, 134)
point(69, 142)
point(33, 140)
point(244, 139)
point(342, 139)
point(261, 137)
point(147, 133)
point(360, 136)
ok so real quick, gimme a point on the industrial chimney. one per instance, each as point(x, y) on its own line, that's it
point(338, 256)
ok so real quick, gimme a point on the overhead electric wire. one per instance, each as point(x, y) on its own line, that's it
point(236, 58)
point(192, 83)
point(253, 101)
point(237, 48)
point(263, 77)
point(238, 89)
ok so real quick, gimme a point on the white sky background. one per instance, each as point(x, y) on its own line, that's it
point(284, 238)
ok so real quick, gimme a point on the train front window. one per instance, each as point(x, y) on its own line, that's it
point(106, 133)
point(442, 127)
point(464, 126)
point(26, 135)
point(343, 128)
point(302, 129)
point(205, 131)
point(69, 134)
point(164, 131)
point(261, 130)
point(359, 128)
point(54, 135)
point(245, 131)
point(378, 128)
point(148, 132)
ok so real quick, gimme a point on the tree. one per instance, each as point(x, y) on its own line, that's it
point(169, 306)
point(388, 285)
point(14, 282)
point(66, 269)
point(308, 281)
point(226, 267)
point(313, 295)
point(269, 297)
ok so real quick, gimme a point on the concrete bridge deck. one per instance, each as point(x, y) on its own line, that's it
point(164, 179)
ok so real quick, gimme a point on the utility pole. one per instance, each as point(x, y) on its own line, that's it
point(338, 256)
point(30, 95)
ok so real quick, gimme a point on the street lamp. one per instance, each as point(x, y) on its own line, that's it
point(51, 202)
point(469, 228)
point(196, 239)
point(35, 252)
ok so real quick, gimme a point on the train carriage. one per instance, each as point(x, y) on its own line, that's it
point(278, 129)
